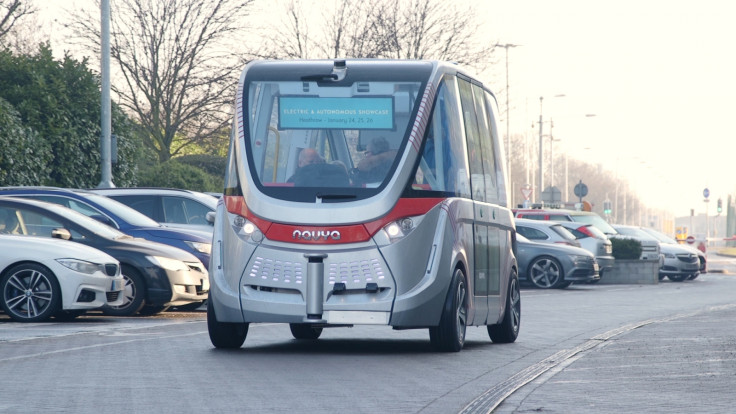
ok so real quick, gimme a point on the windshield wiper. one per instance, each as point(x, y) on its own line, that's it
point(321, 197)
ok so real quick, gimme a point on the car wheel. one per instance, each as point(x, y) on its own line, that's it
point(68, 315)
point(508, 330)
point(152, 310)
point(677, 278)
point(545, 272)
point(225, 334)
point(30, 293)
point(133, 294)
point(449, 335)
point(304, 331)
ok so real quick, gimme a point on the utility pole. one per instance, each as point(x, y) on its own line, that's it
point(106, 123)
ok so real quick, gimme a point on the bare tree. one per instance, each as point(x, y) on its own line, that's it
point(176, 69)
point(415, 29)
point(10, 12)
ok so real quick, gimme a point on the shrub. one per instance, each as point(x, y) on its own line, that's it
point(174, 174)
point(626, 249)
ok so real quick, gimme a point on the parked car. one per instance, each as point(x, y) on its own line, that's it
point(586, 217)
point(545, 232)
point(169, 206)
point(119, 216)
point(546, 266)
point(680, 262)
point(155, 275)
point(663, 238)
point(41, 278)
point(594, 241)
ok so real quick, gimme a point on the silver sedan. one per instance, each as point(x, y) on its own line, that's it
point(547, 266)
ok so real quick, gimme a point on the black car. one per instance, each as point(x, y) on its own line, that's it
point(156, 275)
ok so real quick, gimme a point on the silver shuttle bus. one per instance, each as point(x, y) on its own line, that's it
point(364, 192)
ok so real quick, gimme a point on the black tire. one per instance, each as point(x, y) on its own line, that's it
point(677, 278)
point(449, 335)
point(545, 272)
point(224, 334)
point(134, 294)
point(305, 331)
point(30, 292)
point(563, 285)
point(152, 310)
point(68, 315)
point(507, 331)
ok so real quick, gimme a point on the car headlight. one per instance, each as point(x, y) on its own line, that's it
point(579, 258)
point(670, 256)
point(168, 263)
point(205, 248)
point(81, 266)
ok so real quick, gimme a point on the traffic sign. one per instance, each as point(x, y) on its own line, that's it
point(526, 191)
point(690, 239)
point(706, 192)
point(580, 190)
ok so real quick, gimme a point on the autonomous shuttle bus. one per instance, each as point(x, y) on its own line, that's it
point(364, 192)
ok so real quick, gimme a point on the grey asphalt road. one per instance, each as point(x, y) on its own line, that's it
point(612, 348)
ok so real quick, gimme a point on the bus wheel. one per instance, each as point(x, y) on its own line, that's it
point(449, 336)
point(223, 334)
point(304, 331)
point(507, 331)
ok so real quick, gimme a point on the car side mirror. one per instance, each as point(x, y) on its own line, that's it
point(210, 216)
point(61, 233)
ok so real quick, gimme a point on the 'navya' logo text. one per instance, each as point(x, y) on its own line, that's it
point(315, 235)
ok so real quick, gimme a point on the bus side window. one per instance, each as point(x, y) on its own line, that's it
point(442, 166)
point(475, 150)
point(487, 147)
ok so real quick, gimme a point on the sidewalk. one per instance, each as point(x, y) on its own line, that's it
point(687, 364)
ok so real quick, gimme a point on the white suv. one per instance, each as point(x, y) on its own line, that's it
point(171, 207)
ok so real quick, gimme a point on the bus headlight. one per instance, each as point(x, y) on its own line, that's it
point(400, 228)
point(246, 230)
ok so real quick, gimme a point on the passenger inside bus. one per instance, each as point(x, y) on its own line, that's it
point(313, 171)
point(377, 161)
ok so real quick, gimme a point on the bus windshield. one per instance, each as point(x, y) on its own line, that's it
point(310, 136)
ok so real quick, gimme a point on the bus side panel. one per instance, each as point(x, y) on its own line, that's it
point(497, 304)
point(230, 254)
point(421, 306)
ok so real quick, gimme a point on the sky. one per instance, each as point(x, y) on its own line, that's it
point(659, 76)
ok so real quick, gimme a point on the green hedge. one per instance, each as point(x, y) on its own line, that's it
point(173, 174)
point(626, 249)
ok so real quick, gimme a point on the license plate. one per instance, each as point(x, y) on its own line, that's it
point(116, 285)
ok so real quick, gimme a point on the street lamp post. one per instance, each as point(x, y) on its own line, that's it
point(540, 181)
point(508, 116)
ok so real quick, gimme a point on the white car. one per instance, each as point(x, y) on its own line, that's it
point(43, 277)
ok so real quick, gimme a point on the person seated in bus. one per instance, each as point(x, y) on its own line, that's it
point(377, 161)
point(313, 171)
point(307, 156)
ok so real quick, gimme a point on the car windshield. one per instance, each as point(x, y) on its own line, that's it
point(310, 134)
point(126, 213)
point(595, 220)
point(563, 232)
point(659, 236)
point(90, 224)
point(635, 232)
